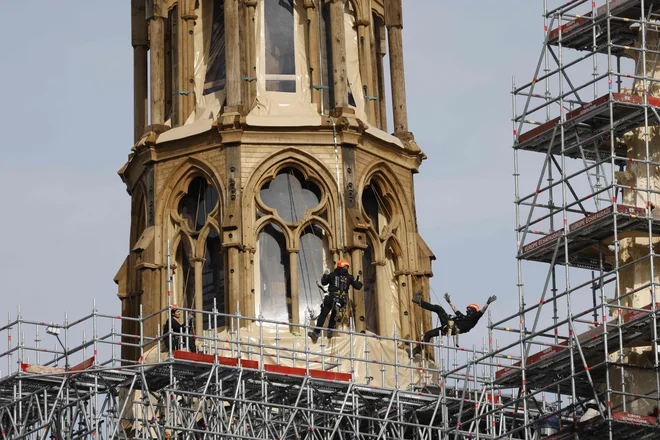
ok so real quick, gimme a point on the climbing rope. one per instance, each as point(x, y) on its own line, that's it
point(302, 257)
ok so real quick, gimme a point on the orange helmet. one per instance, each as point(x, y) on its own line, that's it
point(473, 306)
point(343, 263)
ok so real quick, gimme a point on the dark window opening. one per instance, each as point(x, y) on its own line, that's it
point(370, 287)
point(186, 278)
point(198, 203)
point(290, 195)
point(213, 279)
point(274, 274)
point(376, 207)
point(280, 56)
point(216, 70)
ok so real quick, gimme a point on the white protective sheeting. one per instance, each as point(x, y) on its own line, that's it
point(334, 355)
point(353, 62)
point(207, 105)
point(390, 294)
point(192, 128)
point(280, 103)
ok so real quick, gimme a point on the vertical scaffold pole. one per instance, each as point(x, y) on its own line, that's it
point(617, 286)
point(169, 302)
point(647, 161)
point(564, 199)
point(519, 284)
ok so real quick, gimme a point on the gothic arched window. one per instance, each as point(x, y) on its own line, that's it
point(200, 200)
point(196, 215)
point(293, 246)
point(380, 258)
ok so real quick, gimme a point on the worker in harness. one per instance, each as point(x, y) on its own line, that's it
point(451, 325)
point(338, 282)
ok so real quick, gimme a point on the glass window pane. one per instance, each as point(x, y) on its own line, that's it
point(198, 203)
point(274, 287)
point(281, 86)
point(290, 194)
point(280, 57)
point(313, 258)
point(216, 67)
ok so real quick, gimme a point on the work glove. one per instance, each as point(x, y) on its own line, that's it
point(492, 299)
point(358, 278)
point(326, 272)
point(447, 298)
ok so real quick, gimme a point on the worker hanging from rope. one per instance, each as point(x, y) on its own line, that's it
point(451, 325)
point(338, 282)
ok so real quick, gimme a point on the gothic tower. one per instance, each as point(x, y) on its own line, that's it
point(266, 158)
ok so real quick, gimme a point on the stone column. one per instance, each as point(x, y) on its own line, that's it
point(295, 300)
point(394, 23)
point(404, 304)
point(140, 43)
point(233, 282)
point(199, 302)
point(358, 295)
point(385, 317)
point(340, 86)
point(366, 74)
point(313, 49)
point(251, 53)
point(156, 15)
point(233, 55)
point(185, 98)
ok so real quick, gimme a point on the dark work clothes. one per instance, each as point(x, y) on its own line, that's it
point(463, 322)
point(338, 282)
point(178, 340)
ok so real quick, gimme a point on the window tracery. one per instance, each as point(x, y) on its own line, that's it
point(293, 245)
point(380, 258)
point(199, 273)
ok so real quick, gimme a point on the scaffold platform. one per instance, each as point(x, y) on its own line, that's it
point(624, 426)
point(587, 125)
point(578, 34)
point(553, 365)
point(584, 237)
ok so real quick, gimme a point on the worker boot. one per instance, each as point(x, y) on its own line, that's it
point(313, 336)
point(417, 299)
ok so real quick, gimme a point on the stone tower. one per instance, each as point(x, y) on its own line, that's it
point(266, 158)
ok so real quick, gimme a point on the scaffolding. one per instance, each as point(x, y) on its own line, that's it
point(586, 167)
point(586, 158)
point(236, 386)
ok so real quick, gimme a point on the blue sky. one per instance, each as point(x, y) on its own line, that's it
point(66, 121)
